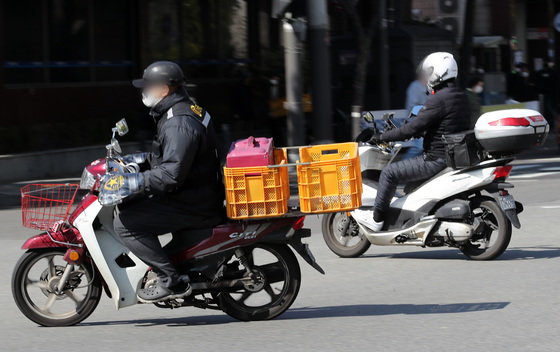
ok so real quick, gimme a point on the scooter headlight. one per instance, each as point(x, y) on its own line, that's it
point(87, 181)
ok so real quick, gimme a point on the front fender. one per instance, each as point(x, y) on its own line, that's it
point(67, 236)
point(41, 240)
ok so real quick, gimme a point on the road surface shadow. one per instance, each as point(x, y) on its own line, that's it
point(322, 312)
point(516, 253)
point(542, 252)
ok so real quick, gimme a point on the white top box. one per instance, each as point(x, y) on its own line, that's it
point(511, 131)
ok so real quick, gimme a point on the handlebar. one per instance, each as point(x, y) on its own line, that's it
point(132, 168)
point(115, 164)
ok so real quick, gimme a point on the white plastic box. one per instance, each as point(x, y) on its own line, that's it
point(511, 131)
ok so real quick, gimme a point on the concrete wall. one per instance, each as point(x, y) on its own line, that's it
point(54, 163)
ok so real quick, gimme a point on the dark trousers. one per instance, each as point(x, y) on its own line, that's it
point(139, 223)
point(402, 172)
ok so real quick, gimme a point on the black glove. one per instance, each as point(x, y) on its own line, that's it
point(376, 138)
point(116, 187)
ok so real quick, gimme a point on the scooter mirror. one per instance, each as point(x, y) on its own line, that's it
point(122, 127)
point(368, 116)
point(116, 146)
point(416, 109)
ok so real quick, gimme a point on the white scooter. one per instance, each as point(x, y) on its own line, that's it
point(468, 208)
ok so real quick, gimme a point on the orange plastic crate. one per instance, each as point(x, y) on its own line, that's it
point(332, 181)
point(258, 192)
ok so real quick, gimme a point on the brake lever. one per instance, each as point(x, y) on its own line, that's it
point(388, 118)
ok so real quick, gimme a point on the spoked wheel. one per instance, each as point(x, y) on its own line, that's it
point(34, 287)
point(274, 285)
point(494, 234)
point(342, 235)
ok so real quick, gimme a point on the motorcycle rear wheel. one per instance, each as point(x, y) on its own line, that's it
point(245, 304)
point(83, 283)
point(493, 215)
point(344, 245)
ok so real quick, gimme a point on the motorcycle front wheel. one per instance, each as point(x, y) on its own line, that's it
point(496, 234)
point(342, 235)
point(276, 285)
point(34, 282)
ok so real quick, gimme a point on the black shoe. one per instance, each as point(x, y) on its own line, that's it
point(159, 293)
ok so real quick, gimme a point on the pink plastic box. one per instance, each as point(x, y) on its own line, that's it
point(251, 152)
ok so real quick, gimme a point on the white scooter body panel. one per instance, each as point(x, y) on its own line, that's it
point(443, 187)
point(104, 246)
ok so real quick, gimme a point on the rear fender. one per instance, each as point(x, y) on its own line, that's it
point(495, 190)
point(294, 240)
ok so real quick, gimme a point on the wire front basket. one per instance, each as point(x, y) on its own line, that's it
point(44, 204)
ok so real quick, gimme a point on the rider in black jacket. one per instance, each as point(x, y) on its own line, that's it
point(446, 111)
point(179, 185)
point(184, 167)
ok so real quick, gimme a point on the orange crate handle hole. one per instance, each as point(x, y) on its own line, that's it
point(329, 151)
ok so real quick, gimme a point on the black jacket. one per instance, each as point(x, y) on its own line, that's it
point(445, 112)
point(184, 162)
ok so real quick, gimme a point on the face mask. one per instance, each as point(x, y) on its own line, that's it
point(150, 100)
point(478, 89)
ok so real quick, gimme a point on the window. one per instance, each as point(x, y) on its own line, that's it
point(67, 41)
point(204, 36)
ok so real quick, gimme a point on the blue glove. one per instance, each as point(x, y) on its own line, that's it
point(116, 187)
point(137, 158)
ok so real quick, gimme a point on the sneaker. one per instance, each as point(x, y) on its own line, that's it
point(160, 293)
point(365, 217)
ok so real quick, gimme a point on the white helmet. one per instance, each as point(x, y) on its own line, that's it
point(437, 68)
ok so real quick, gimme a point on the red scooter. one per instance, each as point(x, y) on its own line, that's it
point(244, 268)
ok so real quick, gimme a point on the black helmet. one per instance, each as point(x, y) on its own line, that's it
point(165, 72)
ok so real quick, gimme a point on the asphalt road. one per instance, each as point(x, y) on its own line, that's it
point(391, 299)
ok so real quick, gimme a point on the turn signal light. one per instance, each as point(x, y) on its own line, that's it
point(537, 118)
point(74, 256)
point(502, 171)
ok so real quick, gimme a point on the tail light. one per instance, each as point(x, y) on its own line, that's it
point(502, 171)
point(299, 224)
point(510, 121)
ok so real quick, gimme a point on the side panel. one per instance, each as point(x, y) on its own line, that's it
point(417, 234)
point(233, 235)
point(368, 195)
point(445, 186)
point(104, 246)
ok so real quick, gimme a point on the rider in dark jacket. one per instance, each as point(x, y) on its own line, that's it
point(446, 111)
point(179, 185)
point(184, 167)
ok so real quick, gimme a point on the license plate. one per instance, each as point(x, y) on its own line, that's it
point(507, 202)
